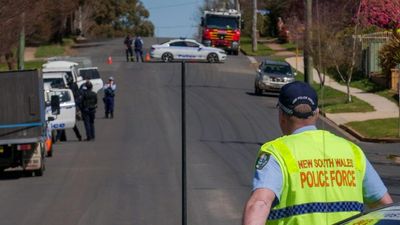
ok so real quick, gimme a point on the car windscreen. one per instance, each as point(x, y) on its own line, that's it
point(278, 69)
point(222, 22)
point(89, 74)
point(55, 82)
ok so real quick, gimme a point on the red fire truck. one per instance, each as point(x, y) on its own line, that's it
point(221, 29)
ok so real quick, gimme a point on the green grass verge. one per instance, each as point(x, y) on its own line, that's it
point(36, 64)
point(54, 49)
point(49, 50)
point(262, 50)
point(380, 128)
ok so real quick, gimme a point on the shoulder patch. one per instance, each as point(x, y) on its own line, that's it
point(262, 160)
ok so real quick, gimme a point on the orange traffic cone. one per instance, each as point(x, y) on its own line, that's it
point(147, 57)
point(109, 60)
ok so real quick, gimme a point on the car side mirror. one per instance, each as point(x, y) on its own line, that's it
point(202, 22)
point(50, 118)
point(55, 104)
point(199, 49)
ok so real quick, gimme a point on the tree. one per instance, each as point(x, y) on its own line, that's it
point(384, 14)
point(118, 17)
point(381, 13)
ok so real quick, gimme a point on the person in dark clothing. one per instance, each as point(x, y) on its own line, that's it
point(61, 135)
point(78, 98)
point(89, 105)
point(128, 51)
point(138, 48)
point(109, 94)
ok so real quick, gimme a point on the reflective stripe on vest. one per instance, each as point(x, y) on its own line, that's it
point(316, 207)
point(322, 175)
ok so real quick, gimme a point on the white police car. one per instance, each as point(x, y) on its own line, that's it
point(186, 49)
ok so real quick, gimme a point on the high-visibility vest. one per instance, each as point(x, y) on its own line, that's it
point(322, 178)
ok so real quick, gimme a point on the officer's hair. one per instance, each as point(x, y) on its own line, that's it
point(303, 108)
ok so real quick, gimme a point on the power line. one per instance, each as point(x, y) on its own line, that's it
point(171, 6)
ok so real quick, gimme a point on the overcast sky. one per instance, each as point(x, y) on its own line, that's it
point(174, 18)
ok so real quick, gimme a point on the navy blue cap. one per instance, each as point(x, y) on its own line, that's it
point(296, 93)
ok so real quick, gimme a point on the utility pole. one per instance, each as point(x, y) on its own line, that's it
point(308, 62)
point(254, 28)
point(21, 45)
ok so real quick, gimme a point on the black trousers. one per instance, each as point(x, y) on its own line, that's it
point(139, 54)
point(88, 120)
point(129, 54)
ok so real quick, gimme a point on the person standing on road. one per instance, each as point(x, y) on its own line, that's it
point(61, 134)
point(78, 100)
point(128, 48)
point(108, 99)
point(309, 176)
point(138, 48)
point(89, 105)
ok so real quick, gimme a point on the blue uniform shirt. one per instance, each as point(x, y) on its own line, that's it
point(270, 176)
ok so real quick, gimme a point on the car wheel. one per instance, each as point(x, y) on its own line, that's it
point(212, 58)
point(257, 90)
point(167, 57)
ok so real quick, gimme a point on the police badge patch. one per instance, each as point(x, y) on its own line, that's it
point(262, 160)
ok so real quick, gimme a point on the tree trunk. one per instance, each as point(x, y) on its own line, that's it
point(348, 91)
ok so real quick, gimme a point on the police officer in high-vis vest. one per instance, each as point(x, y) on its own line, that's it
point(310, 176)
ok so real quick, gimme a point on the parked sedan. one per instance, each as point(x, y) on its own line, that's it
point(272, 75)
point(186, 49)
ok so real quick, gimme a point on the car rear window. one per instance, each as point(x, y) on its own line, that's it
point(89, 74)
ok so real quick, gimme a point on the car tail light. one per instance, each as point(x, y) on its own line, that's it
point(24, 147)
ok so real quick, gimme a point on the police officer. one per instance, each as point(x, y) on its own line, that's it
point(109, 94)
point(89, 105)
point(309, 176)
point(138, 48)
point(128, 48)
point(78, 100)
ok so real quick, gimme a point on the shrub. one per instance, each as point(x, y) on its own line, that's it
point(389, 56)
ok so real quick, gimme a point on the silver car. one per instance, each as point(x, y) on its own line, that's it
point(272, 75)
point(186, 49)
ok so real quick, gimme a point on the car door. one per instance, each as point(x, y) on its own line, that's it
point(179, 50)
point(67, 117)
point(92, 74)
point(195, 51)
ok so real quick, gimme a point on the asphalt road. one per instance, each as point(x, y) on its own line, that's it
point(131, 173)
